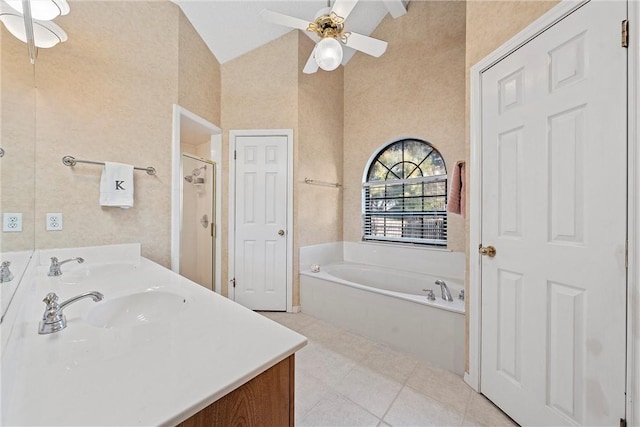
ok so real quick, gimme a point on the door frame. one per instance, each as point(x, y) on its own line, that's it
point(179, 114)
point(233, 135)
point(553, 16)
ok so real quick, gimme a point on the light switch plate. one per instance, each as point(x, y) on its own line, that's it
point(54, 221)
point(12, 222)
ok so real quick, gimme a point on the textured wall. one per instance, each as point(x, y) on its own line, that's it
point(107, 94)
point(259, 91)
point(266, 89)
point(415, 89)
point(198, 74)
point(489, 25)
point(320, 134)
point(17, 136)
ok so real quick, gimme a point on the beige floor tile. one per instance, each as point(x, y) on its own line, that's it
point(389, 362)
point(336, 410)
point(442, 385)
point(295, 321)
point(322, 363)
point(351, 345)
point(482, 412)
point(320, 331)
point(415, 409)
point(309, 391)
point(374, 392)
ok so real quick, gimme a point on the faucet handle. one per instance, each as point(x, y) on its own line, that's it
point(430, 295)
point(50, 299)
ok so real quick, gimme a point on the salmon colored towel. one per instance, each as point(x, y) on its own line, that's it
point(457, 193)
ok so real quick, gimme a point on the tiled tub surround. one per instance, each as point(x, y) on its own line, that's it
point(155, 373)
point(399, 314)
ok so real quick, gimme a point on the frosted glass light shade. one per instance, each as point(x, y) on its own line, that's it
point(328, 54)
point(44, 10)
point(45, 34)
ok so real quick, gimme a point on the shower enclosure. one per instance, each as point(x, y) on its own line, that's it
point(197, 239)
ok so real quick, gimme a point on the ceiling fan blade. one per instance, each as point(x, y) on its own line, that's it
point(396, 8)
point(343, 8)
point(312, 65)
point(286, 20)
point(366, 44)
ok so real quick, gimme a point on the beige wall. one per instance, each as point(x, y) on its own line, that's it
point(259, 91)
point(198, 74)
point(320, 155)
point(489, 25)
point(415, 89)
point(17, 132)
point(107, 94)
point(266, 89)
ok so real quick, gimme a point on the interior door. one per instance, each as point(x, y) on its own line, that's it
point(554, 208)
point(260, 222)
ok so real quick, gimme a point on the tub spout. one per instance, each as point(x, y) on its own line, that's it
point(446, 294)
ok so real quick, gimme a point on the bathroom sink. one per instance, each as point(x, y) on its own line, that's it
point(136, 309)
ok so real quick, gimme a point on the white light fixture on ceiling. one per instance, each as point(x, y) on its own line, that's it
point(328, 54)
point(45, 34)
point(43, 10)
point(19, 20)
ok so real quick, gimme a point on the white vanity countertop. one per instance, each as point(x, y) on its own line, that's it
point(155, 373)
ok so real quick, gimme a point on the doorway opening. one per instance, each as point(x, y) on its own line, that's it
point(195, 211)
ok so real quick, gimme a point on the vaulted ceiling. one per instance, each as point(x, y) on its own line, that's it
point(234, 27)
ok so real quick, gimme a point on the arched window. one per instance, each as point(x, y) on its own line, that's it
point(405, 194)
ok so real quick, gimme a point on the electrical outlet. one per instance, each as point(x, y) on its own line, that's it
point(54, 221)
point(12, 222)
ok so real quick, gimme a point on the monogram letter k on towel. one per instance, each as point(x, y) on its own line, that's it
point(116, 185)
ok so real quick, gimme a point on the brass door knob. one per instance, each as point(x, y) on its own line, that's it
point(280, 232)
point(489, 251)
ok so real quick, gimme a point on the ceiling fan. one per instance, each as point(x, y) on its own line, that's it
point(328, 30)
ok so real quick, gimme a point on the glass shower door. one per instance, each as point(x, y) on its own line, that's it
point(197, 241)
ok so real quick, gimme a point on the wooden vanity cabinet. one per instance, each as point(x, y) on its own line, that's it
point(267, 400)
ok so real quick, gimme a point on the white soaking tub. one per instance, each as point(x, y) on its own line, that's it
point(389, 306)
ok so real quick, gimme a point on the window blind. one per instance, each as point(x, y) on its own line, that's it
point(408, 210)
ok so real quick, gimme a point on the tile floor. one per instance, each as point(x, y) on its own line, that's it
point(343, 379)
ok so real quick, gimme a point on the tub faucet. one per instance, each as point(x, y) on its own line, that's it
point(54, 268)
point(446, 294)
point(5, 273)
point(53, 319)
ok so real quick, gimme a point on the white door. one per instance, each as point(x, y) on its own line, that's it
point(260, 222)
point(554, 207)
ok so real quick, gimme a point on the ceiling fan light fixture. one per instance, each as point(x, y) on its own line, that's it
point(328, 54)
point(43, 10)
point(46, 34)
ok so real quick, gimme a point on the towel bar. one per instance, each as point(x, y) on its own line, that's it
point(71, 161)
point(322, 183)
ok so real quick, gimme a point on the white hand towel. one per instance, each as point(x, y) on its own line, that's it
point(116, 185)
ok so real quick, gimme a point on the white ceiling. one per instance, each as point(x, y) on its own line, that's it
point(232, 28)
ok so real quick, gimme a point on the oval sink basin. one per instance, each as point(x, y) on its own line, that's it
point(136, 309)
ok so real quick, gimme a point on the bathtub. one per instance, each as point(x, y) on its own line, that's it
point(388, 306)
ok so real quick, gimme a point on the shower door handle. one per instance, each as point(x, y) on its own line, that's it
point(280, 232)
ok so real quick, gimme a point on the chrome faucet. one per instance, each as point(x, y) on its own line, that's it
point(53, 319)
point(446, 294)
point(54, 268)
point(5, 273)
